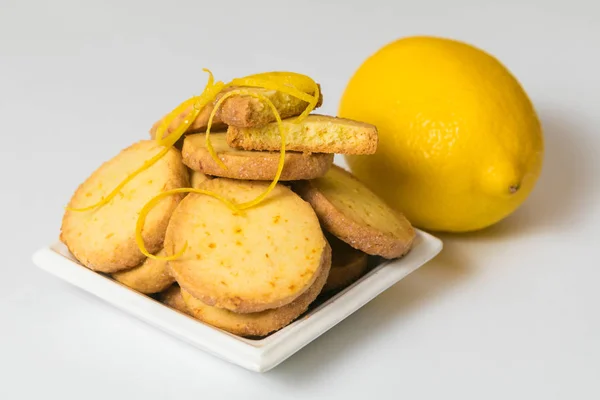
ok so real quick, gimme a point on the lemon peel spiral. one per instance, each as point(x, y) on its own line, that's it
point(294, 84)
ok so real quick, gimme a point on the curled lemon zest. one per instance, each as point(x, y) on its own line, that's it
point(115, 191)
point(311, 104)
point(294, 84)
point(281, 164)
point(283, 82)
point(166, 122)
point(209, 146)
point(291, 83)
point(139, 226)
point(211, 78)
point(280, 78)
point(267, 84)
point(207, 97)
point(168, 119)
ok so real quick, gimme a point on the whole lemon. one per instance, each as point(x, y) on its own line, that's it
point(460, 144)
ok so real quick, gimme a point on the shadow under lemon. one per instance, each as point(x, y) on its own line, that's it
point(566, 182)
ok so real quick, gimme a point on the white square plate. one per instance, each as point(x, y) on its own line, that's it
point(256, 355)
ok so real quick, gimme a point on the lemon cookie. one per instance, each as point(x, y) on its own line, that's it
point(172, 298)
point(152, 276)
point(103, 238)
point(316, 133)
point(347, 265)
point(247, 111)
point(353, 213)
point(258, 323)
point(264, 257)
point(197, 178)
point(251, 165)
point(199, 124)
point(240, 110)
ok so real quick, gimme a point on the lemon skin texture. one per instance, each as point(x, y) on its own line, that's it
point(460, 144)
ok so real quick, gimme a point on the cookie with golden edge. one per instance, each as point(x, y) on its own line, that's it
point(199, 124)
point(356, 215)
point(197, 178)
point(258, 323)
point(247, 111)
point(262, 258)
point(172, 298)
point(240, 110)
point(347, 264)
point(315, 134)
point(152, 276)
point(251, 165)
point(103, 238)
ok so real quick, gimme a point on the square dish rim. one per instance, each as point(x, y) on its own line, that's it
point(258, 355)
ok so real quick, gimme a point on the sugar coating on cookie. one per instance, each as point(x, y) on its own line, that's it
point(258, 323)
point(347, 264)
point(356, 215)
point(262, 258)
point(316, 133)
point(152, 276)
point(251, 165)
point(103, 239)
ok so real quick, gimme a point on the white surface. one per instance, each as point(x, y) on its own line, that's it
point(255, 355)
point(509, 313)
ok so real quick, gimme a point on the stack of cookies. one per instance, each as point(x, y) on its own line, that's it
point(254, 272)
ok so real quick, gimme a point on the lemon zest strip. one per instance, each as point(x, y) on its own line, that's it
point(266, 84)
point(211, 78)
point(139, 226)
point(303, 83)
point(283, 82)
point(190, 118)
point(168, 119)
point(256, 81)
point(281, 163)
point(166, 122)
point(286, 82)
point(209, 146)
point(216, 108)
point(311, 104)
point(202, 101)
point(115, 191)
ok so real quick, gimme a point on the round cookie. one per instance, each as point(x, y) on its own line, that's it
point(197, 178)
point(172, 298)
point(353, 213)
point(251, 165)
point(103, 238)
point(259, 323)
point(263, 258)
point(152, 276)
point(347, 265)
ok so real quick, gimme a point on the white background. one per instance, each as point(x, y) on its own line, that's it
point(509, 313)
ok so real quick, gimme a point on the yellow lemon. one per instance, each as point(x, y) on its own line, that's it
point(460, 144)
